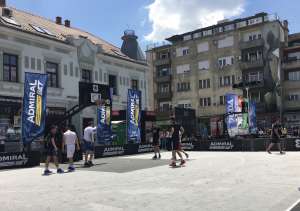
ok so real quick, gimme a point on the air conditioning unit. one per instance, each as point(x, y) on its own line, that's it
point(7, 12)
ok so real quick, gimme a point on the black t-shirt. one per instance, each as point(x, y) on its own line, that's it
point(175, 135)
point(275, 127)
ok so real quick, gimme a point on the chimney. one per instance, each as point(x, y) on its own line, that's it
point(2, 3)
point(67, 23)
point(286, 24)
point(58, 19)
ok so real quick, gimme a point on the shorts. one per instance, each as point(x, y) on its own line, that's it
point(88, 146)
point(275, 140)
point(70, 150)
point(175, 145)
point(51, 152)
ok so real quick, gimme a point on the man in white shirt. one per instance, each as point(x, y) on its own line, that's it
point(69, 140)
point(88, 138)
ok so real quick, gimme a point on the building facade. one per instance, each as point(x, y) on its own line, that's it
point(204, 64)
point(30, 43)
point(291, 79)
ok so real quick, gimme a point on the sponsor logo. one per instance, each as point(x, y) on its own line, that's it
point(134, 110)
point(35, 102)
point(220, 145)
point(13, 160)
point(297, 143)
point(187, 146)
point(145, 148)
point(108, 151)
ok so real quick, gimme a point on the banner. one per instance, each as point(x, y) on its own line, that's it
point(134, 116)
point(34, 106)
point(231, 107)
point(252, 117)
point(104, 123)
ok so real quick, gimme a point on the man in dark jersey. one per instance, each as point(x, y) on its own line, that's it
point(155, 143)
point(176, 144)
point(275, 137)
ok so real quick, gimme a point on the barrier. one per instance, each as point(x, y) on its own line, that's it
point(19, 159)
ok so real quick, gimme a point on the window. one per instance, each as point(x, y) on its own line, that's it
point(227, 42)
point(165, 71)
point(180, 69)
point(228, 60)
point(187, 37)
point(255, 76)
point(205, 102)
point(164, 88)
point(204, 84)
point(293, 97)
point(229, 27)
point(52, 72)
point(183, 87)
point(185, 52)
point(294, 76)
point(10, 21)
point(86, 75)
point(112, 82)
point(10, 67)
point(207, 33)
point(182, 51)
point(222, 100)
point(41, 30)
point(134, 84)
point(202, 47)
point(226, 81)
point(203, 65)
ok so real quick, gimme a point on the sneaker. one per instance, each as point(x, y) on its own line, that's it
point(60, 171)
point(269, 152)
point(86, 164)
point(47, 172)
point(182, 162)
point(154, 157)
point(159, 157)
point(282, 153)
point(187, 156)
point(173, 164)
point(90, 163)
point(71, 168)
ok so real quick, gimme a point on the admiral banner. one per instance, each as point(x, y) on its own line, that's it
point(232, 119)
point(252, 117)
point(34, 106)
point(104, 122)
point(134, 116)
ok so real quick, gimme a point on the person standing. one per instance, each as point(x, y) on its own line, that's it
point(155, 143)
point(181, 132)
point(52, 151)
point(70, 139)
point(88, 138)
point(176, 144)
point(275, 137)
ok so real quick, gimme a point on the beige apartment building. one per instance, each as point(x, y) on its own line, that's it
point(199, 67)
point(291, 81)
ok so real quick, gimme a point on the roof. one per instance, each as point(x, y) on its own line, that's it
point(60, 32)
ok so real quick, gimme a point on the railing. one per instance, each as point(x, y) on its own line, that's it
point(251, 64)
point(251, 43)
point(290, 64)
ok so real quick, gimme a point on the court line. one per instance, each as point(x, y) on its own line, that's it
point(293, 205)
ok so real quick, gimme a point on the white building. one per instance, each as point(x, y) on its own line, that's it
point(30, 43)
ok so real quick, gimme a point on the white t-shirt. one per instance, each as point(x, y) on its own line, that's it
point(88, 133)
point(70, 137)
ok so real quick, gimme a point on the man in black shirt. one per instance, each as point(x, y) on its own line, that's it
point(175, 128)
point(275, 137)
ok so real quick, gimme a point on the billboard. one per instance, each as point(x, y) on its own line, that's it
point(90, 92)
point(232, 118)
point(34, 106)
point(134, 116)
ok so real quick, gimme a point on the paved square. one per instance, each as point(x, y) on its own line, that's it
point(210, 181)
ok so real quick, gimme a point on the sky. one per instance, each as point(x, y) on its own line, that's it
point(154, 20)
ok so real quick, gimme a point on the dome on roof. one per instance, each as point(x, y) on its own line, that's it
point(130, 46)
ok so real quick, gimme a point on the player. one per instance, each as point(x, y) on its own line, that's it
point(156, 143)
point(70, 139)
point(176, 144)
point(88, 138)
point(181, 132)
point(275, 137)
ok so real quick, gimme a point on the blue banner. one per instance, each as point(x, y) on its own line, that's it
point(34, 106)
point(231, 107)
point(104, 131)
point(134, 116)
point(252, 117)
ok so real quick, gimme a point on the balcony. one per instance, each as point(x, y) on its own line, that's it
point(163, 115)
point(291, 85)
point(251, 64)
point(163, 78)
point(291, 105)
point(292, 64)
point(163, 61)
point(251, 44)
point(163, 95)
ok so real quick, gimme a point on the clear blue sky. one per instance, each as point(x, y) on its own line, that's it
point(109, 18)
